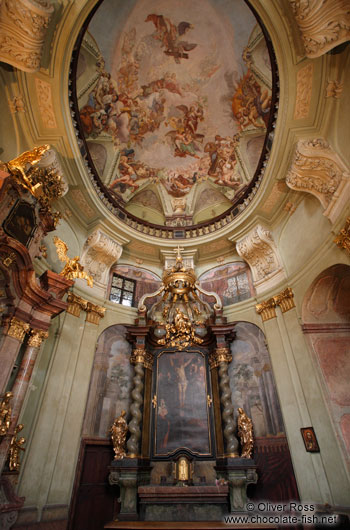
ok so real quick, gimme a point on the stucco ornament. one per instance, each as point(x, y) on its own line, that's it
point(99, 254)
point(23, 26)
point(323, 24)
point(304, 91)
point(258, 249)
point(316, 168)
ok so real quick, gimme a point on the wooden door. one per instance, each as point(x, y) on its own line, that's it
point(94, 501)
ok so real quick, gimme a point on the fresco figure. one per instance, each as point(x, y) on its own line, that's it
point(169, 36)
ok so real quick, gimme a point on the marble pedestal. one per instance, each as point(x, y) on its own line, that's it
point(129, 474)
point(239, 473)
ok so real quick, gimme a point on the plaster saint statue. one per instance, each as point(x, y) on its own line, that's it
point(245, 433)
point(5, 413)
point(118, 432)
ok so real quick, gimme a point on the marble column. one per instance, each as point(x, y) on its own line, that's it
point(10, 344)
point(134, 442)
point(20, 386)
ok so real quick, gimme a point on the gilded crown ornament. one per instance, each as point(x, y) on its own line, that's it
point(72, 269)
point(180, 317)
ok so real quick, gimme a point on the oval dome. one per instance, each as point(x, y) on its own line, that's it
point(170, 96)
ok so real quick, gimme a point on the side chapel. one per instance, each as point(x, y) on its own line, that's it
point(174, 263)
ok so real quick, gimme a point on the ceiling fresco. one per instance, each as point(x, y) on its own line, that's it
point(174, 103)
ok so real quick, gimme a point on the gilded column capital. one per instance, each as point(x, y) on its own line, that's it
point(219, 355)
point(75, 304)
point(141, 356)
point(343, 238)
point(285, 300)
point(266, 309)
point(36, 337)
point(17, 329)
point(94, 313)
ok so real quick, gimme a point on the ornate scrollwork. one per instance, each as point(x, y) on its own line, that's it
point(323, 25)
point(219, 355)
point(5, 413)
point(18, 329)
point(16, 446)
point(141, 356)
point(266, 309)
point(99, 254)
point(285, 300)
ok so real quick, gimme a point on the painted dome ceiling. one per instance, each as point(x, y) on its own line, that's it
point(174, 106)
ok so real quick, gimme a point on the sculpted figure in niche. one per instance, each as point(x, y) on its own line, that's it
point(245, 433)
point(118, 432)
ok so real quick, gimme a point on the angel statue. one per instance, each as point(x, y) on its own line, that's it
point(72, 269)
point(118, 433)
point(245, 433)
point(5, 413)
point(15, 448)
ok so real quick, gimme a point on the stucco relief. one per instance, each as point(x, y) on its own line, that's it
point(23, 26)
point(44, 94)
point(99, 254)
point(323, 25)
point(304, 92)
point(317, 169)
point(334, 89)
point(258, 249)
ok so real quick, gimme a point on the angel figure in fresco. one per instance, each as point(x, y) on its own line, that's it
point(185, 136)
point(251, 105)
point(178, 185)
point(170, 36)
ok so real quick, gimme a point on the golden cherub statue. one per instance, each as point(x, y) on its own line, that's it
point(118, 432)
point(5, 413)
point(245, 433)
point(72, 269)
point(15, 448)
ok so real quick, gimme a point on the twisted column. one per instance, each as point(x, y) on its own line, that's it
point(133, 443)
point(221, 359)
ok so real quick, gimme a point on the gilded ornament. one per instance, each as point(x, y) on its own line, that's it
point(118, 433)
point(17, 329)
point(343, 238)
point(245, 433)
point(5, 413)
point(141, 356)
point(16, 445)
point(220, 355)
point(8, 260)
point(72, 269)
point(36, 337)
point(183, 471)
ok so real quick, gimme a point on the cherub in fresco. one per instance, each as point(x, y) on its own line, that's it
point(130, 172)
point(226, 175)
point(221, 152)
point(250, 105)
point(178, 185)
point(169, 36)
point(168, 82)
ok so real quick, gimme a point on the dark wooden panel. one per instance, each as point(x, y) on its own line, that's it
point(94, 501)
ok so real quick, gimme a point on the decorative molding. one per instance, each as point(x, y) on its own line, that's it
point(266, 309)
point(343, 238)
point(44, 95)
point(36, 337)
point(278, 190)
point(76, 303)
point(100, 252)
point(323, 24)
point(258, 249)
point(318, 170)
point(219, 355)
point(285, 300)
point(141, 356)
point(23, 26)
point(334, 89)
point(50, 162)
point(17, 329)
point(304, 92)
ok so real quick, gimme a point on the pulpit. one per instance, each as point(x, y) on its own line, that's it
point(182, 458)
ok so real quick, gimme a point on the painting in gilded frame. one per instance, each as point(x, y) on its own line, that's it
point(181, 415)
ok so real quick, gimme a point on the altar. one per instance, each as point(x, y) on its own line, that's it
point(181, 457)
